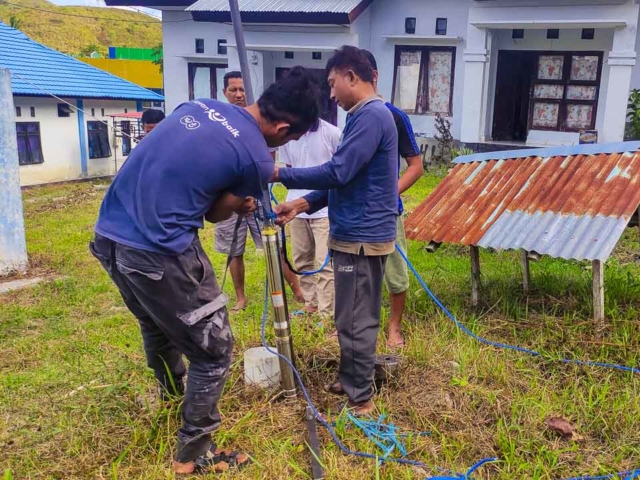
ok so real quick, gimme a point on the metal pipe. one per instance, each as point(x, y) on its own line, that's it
point(270, 239)
point(282, 327)
point(242, 50)
point(314, 444)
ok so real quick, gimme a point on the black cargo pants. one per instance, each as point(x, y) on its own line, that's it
point(181, 311)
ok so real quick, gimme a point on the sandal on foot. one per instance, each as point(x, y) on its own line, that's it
point(219, 461)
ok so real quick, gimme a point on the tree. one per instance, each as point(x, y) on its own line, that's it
point(444, 140)
point(15, 22)
point(89, 49)
point(633, 115)
point(158, 55)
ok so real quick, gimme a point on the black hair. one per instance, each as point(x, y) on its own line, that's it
point(228, 75)
point(371, 58)
point(293, 99)
point(151, 116)
point(351, 58)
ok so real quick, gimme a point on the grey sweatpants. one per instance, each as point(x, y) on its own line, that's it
point(358, 300)
point(181, 311)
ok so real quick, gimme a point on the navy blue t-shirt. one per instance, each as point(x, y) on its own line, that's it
point(158, 199)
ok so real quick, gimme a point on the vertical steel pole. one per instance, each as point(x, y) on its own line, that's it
point(284, 342)
point(242, 50)
point(282, 327)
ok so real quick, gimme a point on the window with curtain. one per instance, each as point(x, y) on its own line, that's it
point(565, 91)
point(98, 136)
point(203, 79)
point(29, 144)
point(423, 80)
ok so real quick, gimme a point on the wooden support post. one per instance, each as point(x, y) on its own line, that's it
point(598, 290)
point(475, 275)
point(526, 278)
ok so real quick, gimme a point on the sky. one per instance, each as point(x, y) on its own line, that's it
point(100, 3)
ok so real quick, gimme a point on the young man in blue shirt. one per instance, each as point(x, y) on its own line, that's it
point(396, 275)
point(360, 187)
point(206, 160)
point(226, 230)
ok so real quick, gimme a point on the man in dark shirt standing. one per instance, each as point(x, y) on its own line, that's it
point(226, 230)
point(396, 275)
point(360, 187)
point(206, 160)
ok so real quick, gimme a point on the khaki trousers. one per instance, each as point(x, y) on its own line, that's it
point(309, 240)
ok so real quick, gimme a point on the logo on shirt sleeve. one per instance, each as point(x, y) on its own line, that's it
point(190, 122)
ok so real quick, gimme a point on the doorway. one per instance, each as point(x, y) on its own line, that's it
point(513, 86)
point(328, 108)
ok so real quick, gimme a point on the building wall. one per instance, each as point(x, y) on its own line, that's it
point(384, 18)
point(570, 40)
point(141, 72)
point(387, 18)
point(60, 139)
point(106, 166)
point(178, 36)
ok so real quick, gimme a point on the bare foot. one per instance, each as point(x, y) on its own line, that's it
point(395, 339)
point(361, 409)
point(239, 306)
point(184, 468)
point(311, 309)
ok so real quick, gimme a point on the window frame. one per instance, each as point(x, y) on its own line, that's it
point(26, 135)
point(566, 82)
point(424, 76)
point(104, 129)
point(213, 75)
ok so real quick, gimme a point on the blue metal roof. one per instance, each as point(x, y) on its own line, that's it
point(37, 70)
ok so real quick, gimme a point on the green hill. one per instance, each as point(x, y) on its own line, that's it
point(71, 34)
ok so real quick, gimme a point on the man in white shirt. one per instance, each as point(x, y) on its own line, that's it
point(310, 232)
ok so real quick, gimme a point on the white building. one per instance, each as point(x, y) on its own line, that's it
point(58, 141)
point(534, 71)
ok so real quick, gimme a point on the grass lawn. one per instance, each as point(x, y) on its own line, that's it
point(77, 401)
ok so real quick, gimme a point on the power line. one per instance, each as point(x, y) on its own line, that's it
point(107, 19)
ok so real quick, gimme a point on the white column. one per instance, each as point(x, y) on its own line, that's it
point(476, 57)
point(622, 59)
point(615, 107)
point(13, 248)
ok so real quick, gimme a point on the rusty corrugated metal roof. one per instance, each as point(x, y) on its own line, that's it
point(567, 202)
